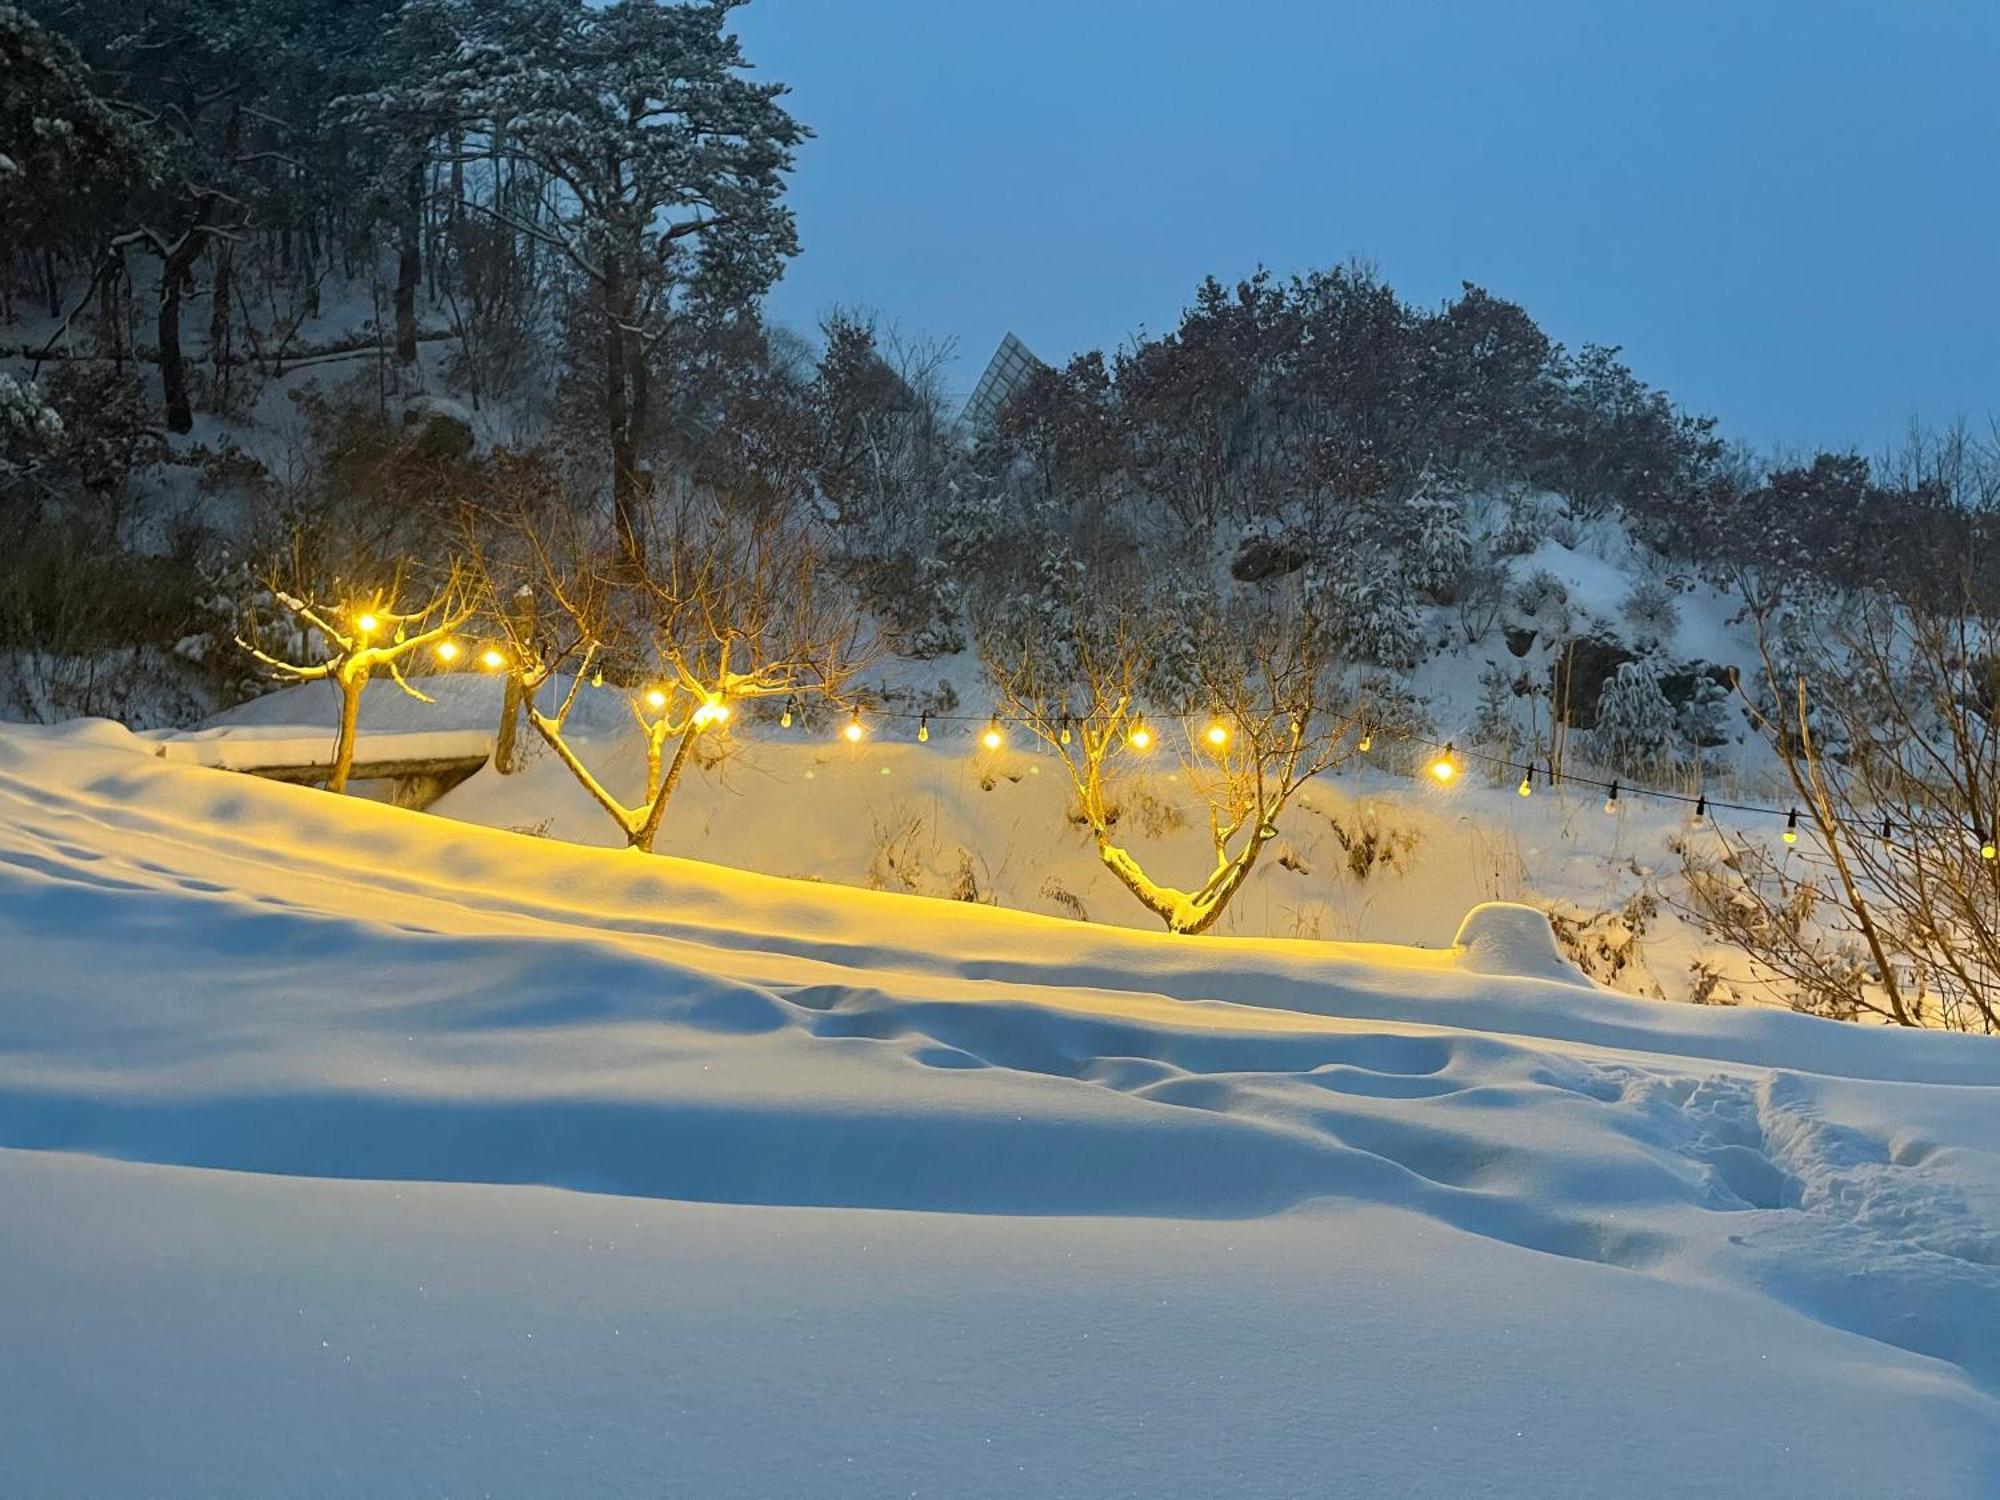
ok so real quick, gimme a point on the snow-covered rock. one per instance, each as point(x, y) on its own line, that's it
point(1505, 937)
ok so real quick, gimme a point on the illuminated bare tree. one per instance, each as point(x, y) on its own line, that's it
point(1254, 688)
point(374, 629)
point(716, 610)
point(1890, 906)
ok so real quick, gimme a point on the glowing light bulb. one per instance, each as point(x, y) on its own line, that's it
point(1526, 788)
point(712, 711)
point(1443, 770)
point(655, 698)
point(992, 739)
point(1366, 744)
point(924, 729)
point(1217, 735)
point(1792, 827)
point(853, 732)
point(1141, 738)
point(1063, 735)
point(492, 660)
point(447, 651)
point(1989, 850)
point(785, 718)
point(366, 624)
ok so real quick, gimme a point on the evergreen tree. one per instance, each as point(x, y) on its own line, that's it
point(663, 163)
point(1635, 722)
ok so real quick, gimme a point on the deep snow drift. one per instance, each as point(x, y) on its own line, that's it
point(873, 1194)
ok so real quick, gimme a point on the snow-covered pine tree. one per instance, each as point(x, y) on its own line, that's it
point(1366, 606)
point(1441, 544)
point(665, 168)
point(1497, 726)
point(1635, 722)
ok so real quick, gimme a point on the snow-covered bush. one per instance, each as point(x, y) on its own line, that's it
point(1497, 725)
point(1541, 600)
point(920, 602)
point(1441, 545)
point(1368, 610)
point(1635, 722)
point(1704, 719)
point(1652, 611)
point(29, 426)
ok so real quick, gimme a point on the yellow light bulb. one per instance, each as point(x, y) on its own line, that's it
point(1142, 737)
point(366, 624)
point(656, 699)
point(924, 731)
point(492, 660)
point(712, 711)
point(991, 739)
point(1525, 789)
point(853, 732)
point(1989, 850)
point(1217, 735)
point(1443, 770)
point(1367, 743)
point(447, 651)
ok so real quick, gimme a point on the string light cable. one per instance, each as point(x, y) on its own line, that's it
point(989, 731)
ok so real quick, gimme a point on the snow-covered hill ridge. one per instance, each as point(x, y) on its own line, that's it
point(209, 971)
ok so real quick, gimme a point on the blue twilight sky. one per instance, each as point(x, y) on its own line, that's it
point(1786, 211)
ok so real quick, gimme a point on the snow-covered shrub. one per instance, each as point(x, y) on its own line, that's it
point(108, 427)
point(1635, 722)
point(1541, 600)
point(1703, 719)
point(920, 602)
point(1524, 526)
point(1652, 610)
point(1389, 707)
point(1441, 545)
point(29, 426)
point(1368, 609)
point(1175, 670)
point(1497, 725)
point(1039, 617)
point(1606, 944)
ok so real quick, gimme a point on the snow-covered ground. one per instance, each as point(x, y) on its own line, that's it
point(346, 1149)
point(1378, 851)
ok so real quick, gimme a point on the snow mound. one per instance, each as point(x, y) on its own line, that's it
point(1506, 938)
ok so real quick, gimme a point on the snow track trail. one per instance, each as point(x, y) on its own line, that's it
point(1328, 1205)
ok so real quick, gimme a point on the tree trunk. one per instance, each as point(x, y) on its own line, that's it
point(506, 753)
point(409, 263)
point(621, 416)
point(642, 837)
point(350, 717)
point(173, 369)
point(219, 325)
point(176, 268)
point(111, 313)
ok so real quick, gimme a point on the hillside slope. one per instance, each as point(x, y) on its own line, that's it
point(450, 1160)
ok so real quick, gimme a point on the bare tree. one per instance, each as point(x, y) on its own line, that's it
point(1264, 678)
point(717, 610)
point(360, 636)
point(1887, 734)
